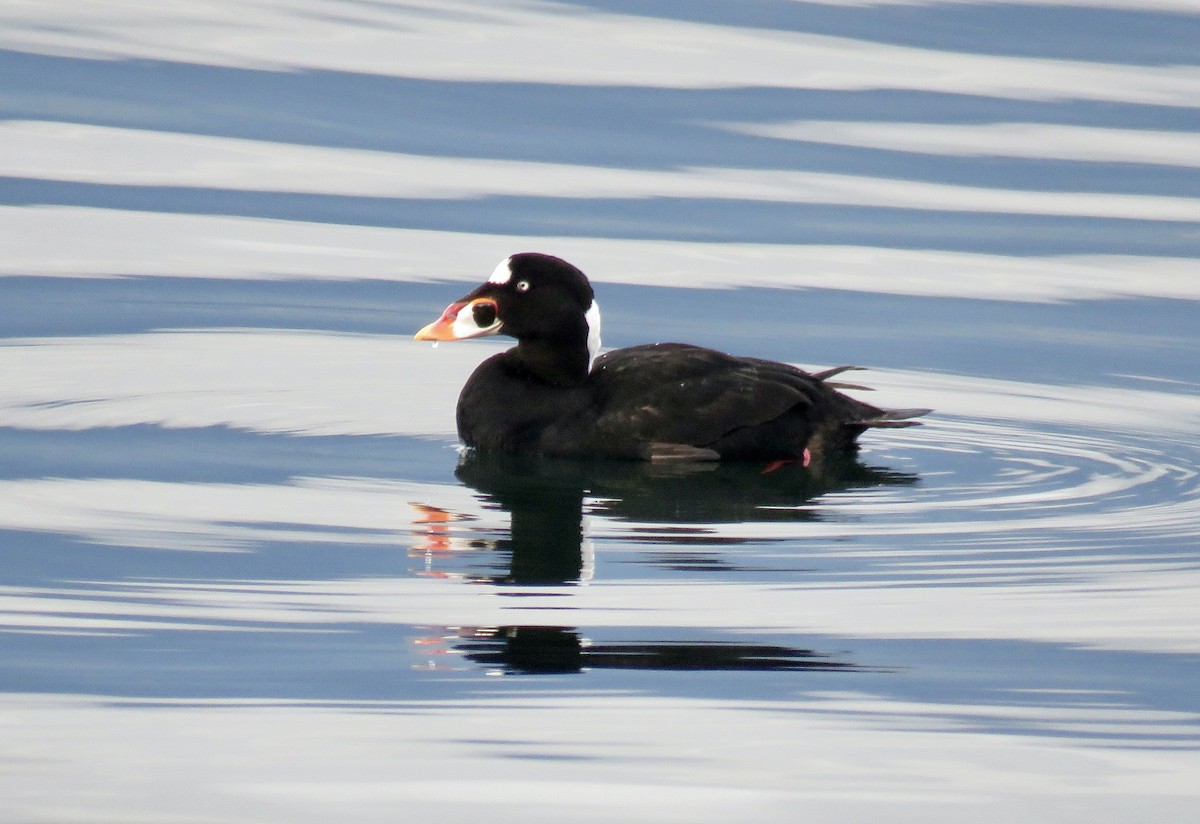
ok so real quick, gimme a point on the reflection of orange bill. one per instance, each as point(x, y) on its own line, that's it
point(434, 526)
point(437, 648)
point(431, 514)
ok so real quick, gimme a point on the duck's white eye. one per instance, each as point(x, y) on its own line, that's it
point(522, 286)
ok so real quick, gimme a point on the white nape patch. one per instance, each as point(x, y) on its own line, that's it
point(592, 319)
point(502, 274)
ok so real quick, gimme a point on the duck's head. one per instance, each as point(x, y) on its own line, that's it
point(538, 299)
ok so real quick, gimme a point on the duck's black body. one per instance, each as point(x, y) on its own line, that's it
point(660, 401)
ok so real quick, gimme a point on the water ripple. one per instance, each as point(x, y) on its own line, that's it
point(1005, 476)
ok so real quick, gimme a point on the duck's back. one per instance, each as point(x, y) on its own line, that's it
point(668, 397)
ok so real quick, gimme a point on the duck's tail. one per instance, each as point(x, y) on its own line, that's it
point(872, 416)
point(893, 418)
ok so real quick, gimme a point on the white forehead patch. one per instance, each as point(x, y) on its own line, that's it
point(502, 274)
point(592, 318)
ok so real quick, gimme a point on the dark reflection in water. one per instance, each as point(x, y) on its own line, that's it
point(547, 650)
point(666, 505)
point(545, 498)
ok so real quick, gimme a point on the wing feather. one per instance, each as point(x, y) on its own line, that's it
point(675, 393)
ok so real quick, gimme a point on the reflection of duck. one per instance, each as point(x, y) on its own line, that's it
point(558, 650)
point(662, 401)
point(545, 497)
point(546, 544)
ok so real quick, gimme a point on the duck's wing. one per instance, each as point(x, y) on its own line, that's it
point(675, 394)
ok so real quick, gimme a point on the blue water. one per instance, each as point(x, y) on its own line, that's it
point(246, 573)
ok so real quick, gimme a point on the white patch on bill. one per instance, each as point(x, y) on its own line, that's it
point(464, 325)
point(502, 274)
point(592, 319)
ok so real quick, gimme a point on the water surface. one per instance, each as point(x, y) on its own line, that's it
point(246, 573)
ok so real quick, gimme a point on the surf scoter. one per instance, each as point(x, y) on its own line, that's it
point(552, 395)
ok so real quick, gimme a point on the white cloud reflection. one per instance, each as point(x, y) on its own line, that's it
point(1090, 144)
point(644, 758)
point(297, 382)
point(458, 40)
point(133, 157)
point(84, 242)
